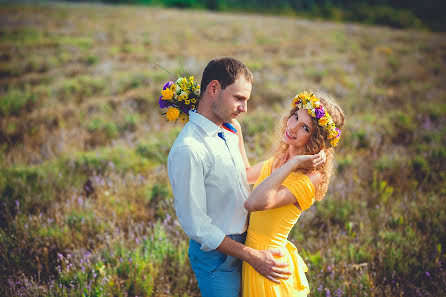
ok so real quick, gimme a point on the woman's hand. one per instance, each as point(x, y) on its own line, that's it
point(309, 161)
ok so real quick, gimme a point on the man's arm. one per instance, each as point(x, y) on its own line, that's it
point(186, 174)
point(261, 260)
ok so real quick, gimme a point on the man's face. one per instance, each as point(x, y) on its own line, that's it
point(233, 100)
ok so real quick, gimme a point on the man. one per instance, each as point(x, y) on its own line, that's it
point(208, 178)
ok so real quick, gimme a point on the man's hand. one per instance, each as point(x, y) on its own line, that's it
point(309, 161)
point(267, 265)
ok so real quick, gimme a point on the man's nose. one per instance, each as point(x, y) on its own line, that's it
point(243, 107)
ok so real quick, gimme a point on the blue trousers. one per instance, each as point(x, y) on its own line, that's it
point(218, 275)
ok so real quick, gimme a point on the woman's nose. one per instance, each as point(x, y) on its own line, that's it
point(292, 126)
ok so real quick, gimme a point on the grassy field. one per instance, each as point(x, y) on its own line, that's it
point(86, 206)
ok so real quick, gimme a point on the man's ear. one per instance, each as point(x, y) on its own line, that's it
point(213, 88)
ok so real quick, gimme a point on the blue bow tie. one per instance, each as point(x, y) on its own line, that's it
point(221, 135)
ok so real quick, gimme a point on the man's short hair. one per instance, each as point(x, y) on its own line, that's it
point(226, 70)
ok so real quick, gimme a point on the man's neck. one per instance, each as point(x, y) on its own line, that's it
point(207, 113)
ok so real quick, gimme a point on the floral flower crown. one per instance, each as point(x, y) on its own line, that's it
point(305, 100)
point(179, 97)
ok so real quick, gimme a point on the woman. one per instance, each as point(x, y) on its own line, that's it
point(287, 184)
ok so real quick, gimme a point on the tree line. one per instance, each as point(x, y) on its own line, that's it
point(393, 13)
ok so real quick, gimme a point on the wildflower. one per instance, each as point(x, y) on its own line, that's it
point(163, 103)
point(319, 113)
point(323, 121)
point(172, 114)
point(167, 94)
point(183, 96)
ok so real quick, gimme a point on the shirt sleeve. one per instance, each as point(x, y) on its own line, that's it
point(302, 188)
point(186, 174)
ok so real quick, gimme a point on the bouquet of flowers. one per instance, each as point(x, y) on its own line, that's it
point(179, 98)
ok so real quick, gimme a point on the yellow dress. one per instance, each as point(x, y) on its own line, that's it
point(269, 229)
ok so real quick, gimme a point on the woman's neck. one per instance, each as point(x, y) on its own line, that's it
point(294, 151)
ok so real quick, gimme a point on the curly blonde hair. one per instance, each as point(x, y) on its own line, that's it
point(318, 140)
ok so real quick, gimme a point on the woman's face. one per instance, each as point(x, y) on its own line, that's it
point(299, 129)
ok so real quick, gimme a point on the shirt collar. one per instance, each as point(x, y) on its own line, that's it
point(204, 123)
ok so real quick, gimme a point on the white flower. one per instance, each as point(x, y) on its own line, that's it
point(197, 92)
point(177, 89)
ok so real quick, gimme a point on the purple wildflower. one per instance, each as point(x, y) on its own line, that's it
point(167, 85)
point(327, 292)
point(320, 112)
point(339, 132)
point(185, 109)
point(428, 274)
point(163, 103)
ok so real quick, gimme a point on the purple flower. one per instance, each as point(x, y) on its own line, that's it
point(327, 292)
point(163, 103)
point(167, 85)
point(185, 109)
point(428, 274)
point(339, 132)
point(320, 112)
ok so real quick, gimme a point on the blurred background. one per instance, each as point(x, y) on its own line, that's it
point(86, 205)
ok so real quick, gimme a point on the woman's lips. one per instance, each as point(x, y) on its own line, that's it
point(289, 135)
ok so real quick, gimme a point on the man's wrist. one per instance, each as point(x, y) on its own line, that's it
point(250, 255)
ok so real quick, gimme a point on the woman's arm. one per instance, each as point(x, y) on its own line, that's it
point(271, 194)
point(241, 143)
point(253, 172)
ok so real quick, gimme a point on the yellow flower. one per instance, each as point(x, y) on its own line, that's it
point(311, 113)
point(102, 270)
point(187, 101)
point(193, 100)
point(172, 114)
point(323, 121)
point(332, 134)
point(167, 94)
point(183, 96)
point(305, 95)
point(184, 118)
point(334, 141)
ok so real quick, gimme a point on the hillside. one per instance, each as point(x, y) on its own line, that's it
point(86, 202)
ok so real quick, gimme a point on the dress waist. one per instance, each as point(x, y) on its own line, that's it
point(260, 241)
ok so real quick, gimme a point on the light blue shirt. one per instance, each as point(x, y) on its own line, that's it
point(208, 179)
